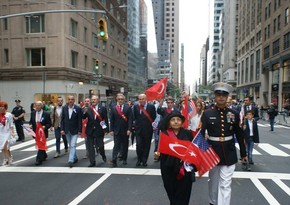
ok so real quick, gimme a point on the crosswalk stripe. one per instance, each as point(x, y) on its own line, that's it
point(272, 150)
point(255, 152)
point(282, 185)
point(286, 145)
point(262, 125)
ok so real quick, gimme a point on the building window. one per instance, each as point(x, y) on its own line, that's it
point(287, 40)
point(112, 50)
point(119, 73)
point(266, 52)
point(125, 57)
point(242, 77)
point(247, 70)
point(269, 32)
point(286, 16)
point(112, 71)
point(279, 23)
point(74, 59)
point(95, 40)
point(274, 26)
point(85, 34)
point(35, 56)
point(258, 65)
point(276, 46)
point(73, 2)
point(6, 56)
point(252, 68)
point(239, 65)
point(124, 75)
point(35, 24)
point(73, 28)
point(5, 22)
point(104, 69)
point(86, 62)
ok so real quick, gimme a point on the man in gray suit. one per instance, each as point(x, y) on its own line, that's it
point(56, 125)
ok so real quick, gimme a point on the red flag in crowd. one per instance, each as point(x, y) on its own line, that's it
point(206, 155)
point(176, 147)
point(184, 112)
point(40, 137)
point(84, 127)
point(157, 91)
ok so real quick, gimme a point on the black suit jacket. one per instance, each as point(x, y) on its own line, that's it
point(142, 123)
point(44, 121)
point(246, 129)
point(255, 109)
point(93, 124)
point(74, 124)
point(117, 124)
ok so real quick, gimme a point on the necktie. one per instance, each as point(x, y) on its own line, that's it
point(248, 107)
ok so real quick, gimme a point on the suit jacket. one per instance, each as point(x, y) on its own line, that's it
point(255, 131)
point(117, 124)
point(93, 124)
point(142, 123)
point(255, 109)
point(74, 124)
point(44, 121)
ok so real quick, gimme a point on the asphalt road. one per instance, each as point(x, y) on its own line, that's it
point(55, 183)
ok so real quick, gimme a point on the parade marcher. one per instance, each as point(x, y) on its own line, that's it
point(144, 115)
point(250, 128)
point(56, 125)
point(18, 113)
point(97, 127)
point(194, 122)
point(272, 113)
point(71, 127)
point(6, 133)
point(164, 111)
point(120, 128)
point(221, 123)
point(248, 105)
point(156, 132)
point(178, 187)
point(39, 115)
point(86, 104)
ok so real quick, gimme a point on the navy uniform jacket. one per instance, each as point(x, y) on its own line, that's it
point(218, 123)
point(117, 124)
point(255, 131)
point(142, 123)
point(93, 124)
point(74, 124)
point(44, 121)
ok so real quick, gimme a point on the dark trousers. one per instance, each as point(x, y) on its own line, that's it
point(178, 191)
point(94, 142)
point(57, 138)
point(19, 130)
point(41, 156)
point(121, 143)
point(272, 123)
point(143, 143)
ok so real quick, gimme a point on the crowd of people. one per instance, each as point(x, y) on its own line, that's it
point(222, 121)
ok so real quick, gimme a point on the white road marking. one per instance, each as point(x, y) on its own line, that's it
point(255, 152)
point(89, 190)
point(282, 185)
point(272, 150)
point(286, 145)
point(267, 195)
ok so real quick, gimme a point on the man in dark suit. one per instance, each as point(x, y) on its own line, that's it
point(96, 128)
point(71, 126)
point(39, 115)
point(120, 127)
point(248, 105)
point(144, 115)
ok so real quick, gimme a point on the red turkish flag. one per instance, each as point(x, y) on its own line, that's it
point(184, 112)
point(157, 91)
point(178, 148)
point(84, 127)
point(40, 138)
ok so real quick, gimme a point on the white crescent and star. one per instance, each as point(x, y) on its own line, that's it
point(172, 147)
point(162, 88)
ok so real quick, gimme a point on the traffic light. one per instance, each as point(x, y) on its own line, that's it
point(102, 29)
point(96, 66)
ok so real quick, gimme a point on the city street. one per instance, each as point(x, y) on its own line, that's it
point(55, 183)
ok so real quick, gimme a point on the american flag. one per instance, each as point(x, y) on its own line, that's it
point(206, 155)
point(191, 109)
point(29, 131)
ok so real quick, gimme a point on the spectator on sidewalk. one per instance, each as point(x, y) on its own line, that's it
point(272, 112)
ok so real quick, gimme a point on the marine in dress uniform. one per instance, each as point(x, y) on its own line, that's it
point(221, 123)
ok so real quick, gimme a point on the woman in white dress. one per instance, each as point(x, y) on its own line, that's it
point(6, 133)
point(194, 121)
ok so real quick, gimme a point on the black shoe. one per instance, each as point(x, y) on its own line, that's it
point(104, 158)
point(114, 164)
point(76, 160)
point(124, 162)
point(70, 164)
point(37, 163)
point(138, 164)
point(252, 163)
point(144, 164)
point(92, 165)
